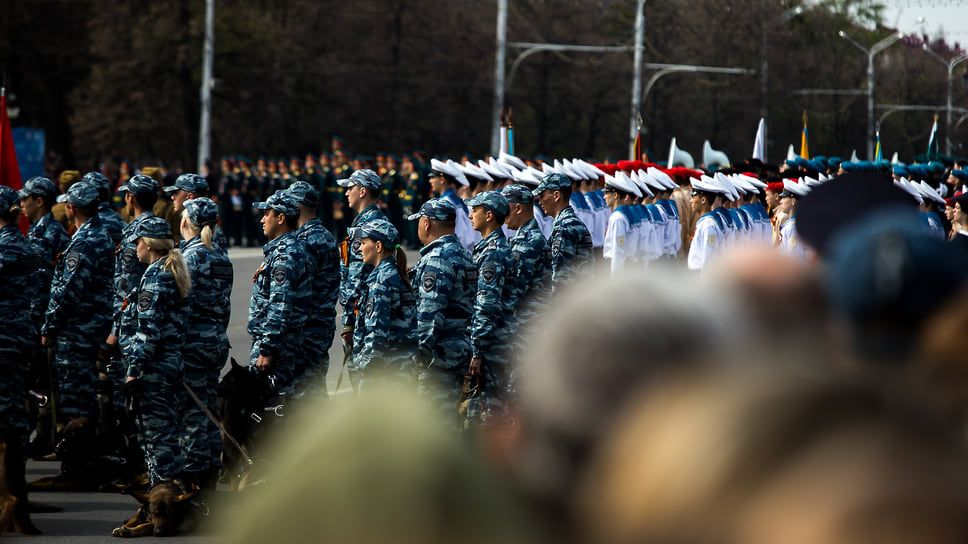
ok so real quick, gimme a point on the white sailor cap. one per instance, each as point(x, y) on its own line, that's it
point(664, 179)
point(525, 177)
point(622, 185)
point(512, 160)
point(493, 171)
point(909, 188)
point(593, 171)
point(636, 180)
point(473, 170)
point(792, 188)
point(705, 184)
point(928, 192)
point(728, 187)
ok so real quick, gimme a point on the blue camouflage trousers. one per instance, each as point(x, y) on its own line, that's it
point(75, 369)
point(309, 380)
point(201, 439)
point(160, 398)
point(13, 389)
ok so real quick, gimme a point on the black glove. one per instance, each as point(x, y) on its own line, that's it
point(131, 388)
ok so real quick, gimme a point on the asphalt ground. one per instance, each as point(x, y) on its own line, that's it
point(89, 517)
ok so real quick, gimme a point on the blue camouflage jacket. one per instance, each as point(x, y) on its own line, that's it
point(446, 282)
point(161, 320)
point(531, 266)
point(384, 336)
point(493, 303)
point(210, 298)
point(18, 267)
point(353, 272)
point(282, 296)
point(571, 248)
point(127, 268)
point(81, 290)
point(326, 273)
point(48, 238)
point(112, 222)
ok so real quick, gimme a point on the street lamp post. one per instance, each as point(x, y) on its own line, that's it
point(764, 70)
point(951, 66)
point(874, 50)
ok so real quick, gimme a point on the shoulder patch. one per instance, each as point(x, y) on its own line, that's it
point(279, 273)
point(429, 281)
point(71, 261)
point(489, 272)
point(129, 256)
point(144, 301)
point(356, 246)
point(556, 247)
point(369, 307)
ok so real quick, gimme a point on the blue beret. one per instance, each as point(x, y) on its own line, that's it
point(960, 175)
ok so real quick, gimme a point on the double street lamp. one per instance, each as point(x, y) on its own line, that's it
point(951, 66)
point(874, 50)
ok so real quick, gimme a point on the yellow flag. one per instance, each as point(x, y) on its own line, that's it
point(804, 148)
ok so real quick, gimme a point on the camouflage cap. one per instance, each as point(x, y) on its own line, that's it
point(8, 198)
point(518, 194)
point(39, 186)
point(366, 178)
point(378, 230)
point(190, 183)
point(438, 209)
point(81, 194)
point(153, 227)
point(282, 202)
point(493, 201)
point(202, 211)
point(97, 179)
point(304, 193)
point(552, 182)
point(140, 185)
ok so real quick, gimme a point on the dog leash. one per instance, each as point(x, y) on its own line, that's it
point(217, 423)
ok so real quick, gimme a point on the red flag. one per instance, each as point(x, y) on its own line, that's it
point(9, 171)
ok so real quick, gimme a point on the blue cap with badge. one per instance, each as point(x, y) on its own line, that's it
point(82, 194)
point(552, 182)
point(304, 193)
point(493, 201)
point(280, 201)
point(378, 230)
point(437, 209)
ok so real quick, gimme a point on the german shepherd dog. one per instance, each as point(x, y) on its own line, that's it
point(14, 507)
point(165, 509)
point(83, 466)
point(247, 406)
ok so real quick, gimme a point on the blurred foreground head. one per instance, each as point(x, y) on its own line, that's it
point(602, 342)
point(374, 469)
point(761, 458)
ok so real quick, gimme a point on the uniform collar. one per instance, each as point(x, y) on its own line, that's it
point(439, 241)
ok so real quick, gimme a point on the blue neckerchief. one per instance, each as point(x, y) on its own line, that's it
point(716, 217)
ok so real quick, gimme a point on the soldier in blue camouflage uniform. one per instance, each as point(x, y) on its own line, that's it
point(362, 191)
point(48, 238)
point(140, 195)
point(152, 349)
point(206, 344)
point(446, 283)
point(493, 307)
point(18, 264)
point(282, 295)
point(110, 219)
point(79, 311)
point(187, 187)
point(531, 263)
point(570, 241)
point(384, 338)
point(310, 380)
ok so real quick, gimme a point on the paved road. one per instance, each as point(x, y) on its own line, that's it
point(87, 518)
